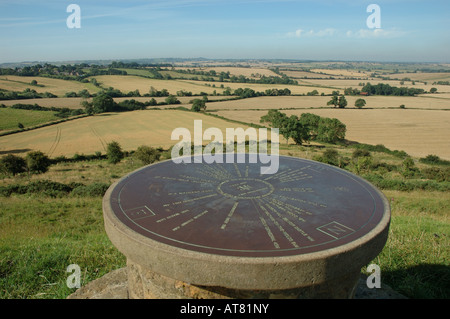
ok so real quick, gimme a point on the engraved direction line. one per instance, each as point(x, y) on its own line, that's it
point(190, 193)
point(289, 222)
point(189, 200)
point(190, 220)
point(218, 175)
point(230, 214)
point(280, 228)
point(290, 209)
point(238, 172)
point(193, 178)
point(302, 201)
point(182, 180)
point(297, 189)
point(290, 175)
point(172, 216)
point(269, 232)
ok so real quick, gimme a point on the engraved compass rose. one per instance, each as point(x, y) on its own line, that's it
point(232, 209)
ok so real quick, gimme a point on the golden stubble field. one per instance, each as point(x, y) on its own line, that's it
point(127, 83)
point(417, 132)
point(428, 101)
point(55, 86)
point(89, 135)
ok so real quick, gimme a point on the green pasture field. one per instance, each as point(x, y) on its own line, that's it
point(10, 118)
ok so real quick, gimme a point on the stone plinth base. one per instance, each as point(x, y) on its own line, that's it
point(114, 285)
point(145, 284)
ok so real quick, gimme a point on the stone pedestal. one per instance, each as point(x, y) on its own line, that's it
point(225, 231)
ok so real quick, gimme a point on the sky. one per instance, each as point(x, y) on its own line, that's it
point(410, 31)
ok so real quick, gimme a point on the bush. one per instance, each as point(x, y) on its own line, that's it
point(114, 152)
point(434, 160)
point(360, 153)
point(11, 164)
point(330, 156)
point(37, 162)
point(438, 174)
point(147, 154)
point(93, 190)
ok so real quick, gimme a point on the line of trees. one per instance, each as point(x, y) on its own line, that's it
point(384, 89)
point(308, 127)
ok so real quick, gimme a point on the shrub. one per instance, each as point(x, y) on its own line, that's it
point(93, 190)
point(438, 174)
point(11, 164)
point(147, 154)
point(37, 162)
point(114, 152)
point(434, 160)
point(330, 156)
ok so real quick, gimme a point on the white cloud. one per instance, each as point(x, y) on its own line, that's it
point(300, 33)
point(375, 34)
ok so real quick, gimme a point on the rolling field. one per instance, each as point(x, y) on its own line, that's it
point(131, 83)
point(342, 84)
point(295, 89)
point(89, 135)
point(55, 86)
point(10, 118)
point(285, 102)
point(417, 132)
point(75, 102)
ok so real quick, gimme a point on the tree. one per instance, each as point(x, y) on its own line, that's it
point(147, 154)
point(295, 130)
point(37, 162)
point(331, 130)
point(359, 103)
point(20, 125)
point(172, 99)
point(334, 100)
point(88, 108)
point(433, 90)
point(114, 152)
point(102, 103)
point(198, 105)
point(11, 164)
point(274, 117)
point(311, 123)
point(342, 103)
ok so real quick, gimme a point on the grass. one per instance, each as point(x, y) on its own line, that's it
point(416, 258)
point(10, 118)
point(41, 235)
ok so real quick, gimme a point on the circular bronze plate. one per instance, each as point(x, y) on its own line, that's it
point(231, 209)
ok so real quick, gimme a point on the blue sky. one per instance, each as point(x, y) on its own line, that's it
point(411, 30)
